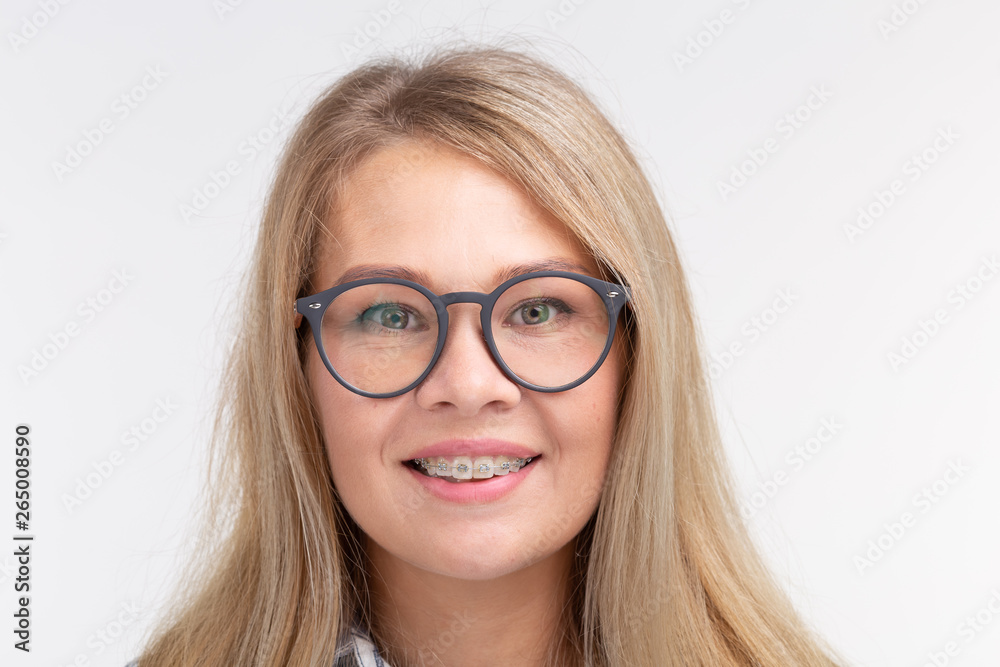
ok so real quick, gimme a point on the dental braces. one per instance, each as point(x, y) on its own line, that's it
point(442, 467)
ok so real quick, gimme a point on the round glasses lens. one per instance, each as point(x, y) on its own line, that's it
point(550, 331)
point(380, 337)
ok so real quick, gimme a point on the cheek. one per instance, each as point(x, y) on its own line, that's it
point(605, 392)
point(585, 421)
point(600, 411)
point(339, 415)
point(354, 430)
point(593, 431)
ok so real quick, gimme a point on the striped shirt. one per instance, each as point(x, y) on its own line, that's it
point(357, 651)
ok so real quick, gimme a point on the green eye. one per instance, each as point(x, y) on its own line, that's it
point(394, 319)
point(536, 313)
point(390, 317)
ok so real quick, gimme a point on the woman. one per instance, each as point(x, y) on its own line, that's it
point(482, 435)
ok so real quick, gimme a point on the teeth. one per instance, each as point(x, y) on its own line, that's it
point(482, 467)
point(461, 468)
point(501, 465)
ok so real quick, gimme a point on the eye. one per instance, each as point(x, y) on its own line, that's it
point(388, 315)
point(536, 313)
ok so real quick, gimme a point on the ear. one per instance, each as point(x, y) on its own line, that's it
point(298, 320)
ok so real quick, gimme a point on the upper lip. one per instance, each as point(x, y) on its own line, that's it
point(474, 447)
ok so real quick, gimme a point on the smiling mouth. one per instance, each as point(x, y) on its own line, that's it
point(468, 468)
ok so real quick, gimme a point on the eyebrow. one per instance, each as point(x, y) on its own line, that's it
point(369, 271)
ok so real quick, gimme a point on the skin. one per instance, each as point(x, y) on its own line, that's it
point(469, 584)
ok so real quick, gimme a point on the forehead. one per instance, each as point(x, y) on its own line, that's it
point(444, 215)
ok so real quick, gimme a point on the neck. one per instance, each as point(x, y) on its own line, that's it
point(424, 618)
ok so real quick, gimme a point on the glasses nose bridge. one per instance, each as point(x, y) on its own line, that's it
point(466, 297)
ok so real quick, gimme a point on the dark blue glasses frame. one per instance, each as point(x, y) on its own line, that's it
point(614, 296)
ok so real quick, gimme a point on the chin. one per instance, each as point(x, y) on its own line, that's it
point(482, 560)
point(475, 567)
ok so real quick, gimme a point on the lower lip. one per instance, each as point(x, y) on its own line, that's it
point(481, 491)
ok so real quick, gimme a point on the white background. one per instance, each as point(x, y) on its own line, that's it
point(854, 296)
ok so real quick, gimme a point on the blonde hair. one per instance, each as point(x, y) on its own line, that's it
point(667, 574)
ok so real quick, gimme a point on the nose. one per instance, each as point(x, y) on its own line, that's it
point(466, 375)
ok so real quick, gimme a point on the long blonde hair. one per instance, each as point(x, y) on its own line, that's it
point(667, 574)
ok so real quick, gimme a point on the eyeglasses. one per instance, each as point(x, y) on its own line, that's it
point(548, 331)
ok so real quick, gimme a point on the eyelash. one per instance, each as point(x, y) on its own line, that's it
point(549, 301)
point(560, 305)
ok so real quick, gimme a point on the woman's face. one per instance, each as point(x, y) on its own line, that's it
point(437, 213)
